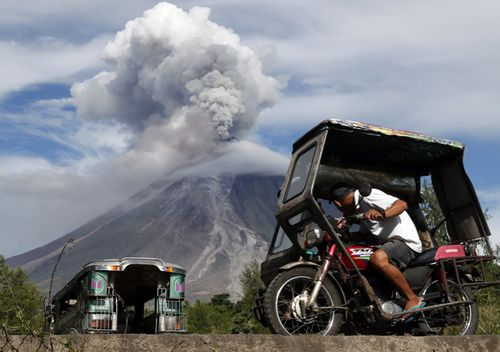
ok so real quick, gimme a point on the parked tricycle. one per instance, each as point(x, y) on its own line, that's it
point(318, 278)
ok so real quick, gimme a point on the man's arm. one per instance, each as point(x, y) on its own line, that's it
point(393, 210)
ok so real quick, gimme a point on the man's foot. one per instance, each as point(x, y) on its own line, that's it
point(412, 302)
point(409, 317)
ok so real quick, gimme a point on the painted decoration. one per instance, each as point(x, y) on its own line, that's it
point(177, 286)
point(98, 283)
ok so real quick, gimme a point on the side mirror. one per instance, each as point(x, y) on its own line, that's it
point(365, 189)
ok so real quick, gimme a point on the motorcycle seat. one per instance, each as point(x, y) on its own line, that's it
point(424, 258)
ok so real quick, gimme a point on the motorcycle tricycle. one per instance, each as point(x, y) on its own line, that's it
point(318, 281)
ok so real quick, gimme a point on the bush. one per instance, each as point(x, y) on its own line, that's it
point(221, 316)
point(21, 304)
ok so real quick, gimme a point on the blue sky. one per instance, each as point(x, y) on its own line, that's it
point(423, 66)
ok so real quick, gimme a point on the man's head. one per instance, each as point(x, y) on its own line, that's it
point(343, 197)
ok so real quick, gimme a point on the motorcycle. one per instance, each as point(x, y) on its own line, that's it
point(323, 293)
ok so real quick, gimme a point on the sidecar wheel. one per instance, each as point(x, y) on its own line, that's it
point(454, 320)
point(284, 308)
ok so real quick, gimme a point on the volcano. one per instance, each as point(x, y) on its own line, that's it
point(212, 226)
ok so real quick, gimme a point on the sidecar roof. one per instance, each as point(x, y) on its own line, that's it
point(358, 143)
point(389, 159)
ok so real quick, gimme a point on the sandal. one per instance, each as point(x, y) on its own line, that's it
point(409, 317)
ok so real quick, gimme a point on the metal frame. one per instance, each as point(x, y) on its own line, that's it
point(458, 262)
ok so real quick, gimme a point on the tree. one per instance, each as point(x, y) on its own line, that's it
point(244, 321)
point(21, 304)
point(221, 314)
point(433, 213)
point(199, 321)
point(213, 317)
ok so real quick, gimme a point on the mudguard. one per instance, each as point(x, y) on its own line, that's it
point(308, 263)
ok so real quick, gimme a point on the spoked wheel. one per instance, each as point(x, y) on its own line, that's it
point(460, 319)
point(285, 304)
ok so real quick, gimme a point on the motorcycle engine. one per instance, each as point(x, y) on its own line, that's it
point(391, 307)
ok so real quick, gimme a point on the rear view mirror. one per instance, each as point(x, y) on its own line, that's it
point(365, 189)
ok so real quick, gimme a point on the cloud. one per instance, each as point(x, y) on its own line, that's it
point(239, 157)
point(46, 60)
point(73, 20)
point(378, 63)
point(14, 165)
point(104, 138)
point(40, 201)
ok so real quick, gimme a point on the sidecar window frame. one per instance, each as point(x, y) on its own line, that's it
point(300, 174)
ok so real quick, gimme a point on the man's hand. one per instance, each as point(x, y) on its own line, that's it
point(342, 224)
point(374, 214)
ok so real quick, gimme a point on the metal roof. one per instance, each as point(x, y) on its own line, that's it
point(119, 265)
point(366, 145)
point(382, 131)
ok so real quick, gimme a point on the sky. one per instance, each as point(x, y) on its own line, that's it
point(100, 98)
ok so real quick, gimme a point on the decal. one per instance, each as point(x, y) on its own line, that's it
point(361, 252)
point(98, 283)
point(177, 286)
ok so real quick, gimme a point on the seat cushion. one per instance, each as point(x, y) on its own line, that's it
point(424, 258)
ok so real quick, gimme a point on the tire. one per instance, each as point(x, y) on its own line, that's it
point(282, 301)
point(454, 320)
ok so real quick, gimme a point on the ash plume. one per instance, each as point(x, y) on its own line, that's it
point(179, 81)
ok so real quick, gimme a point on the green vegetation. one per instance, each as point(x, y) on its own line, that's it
point(221, 316)
point(489, 300)
point(21, 304)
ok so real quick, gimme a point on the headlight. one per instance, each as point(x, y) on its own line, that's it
point(310, 237)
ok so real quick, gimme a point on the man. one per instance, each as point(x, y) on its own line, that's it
point(387, 220)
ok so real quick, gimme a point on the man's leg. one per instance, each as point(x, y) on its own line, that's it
point(380, 261)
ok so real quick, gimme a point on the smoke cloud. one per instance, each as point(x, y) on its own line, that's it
point(179, 81)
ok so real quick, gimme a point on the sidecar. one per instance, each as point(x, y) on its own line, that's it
point(394, 161)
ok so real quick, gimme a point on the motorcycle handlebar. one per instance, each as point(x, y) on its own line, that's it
point(351, 217)
point(356, 217)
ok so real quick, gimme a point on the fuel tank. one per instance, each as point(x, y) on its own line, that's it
point(360, 255)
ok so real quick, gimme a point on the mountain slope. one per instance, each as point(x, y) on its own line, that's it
point(212, 226)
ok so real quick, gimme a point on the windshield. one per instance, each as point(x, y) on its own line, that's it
point(281, 243)
point(298, 180)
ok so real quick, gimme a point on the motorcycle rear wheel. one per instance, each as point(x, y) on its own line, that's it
point(283, 309)
point(454, 320)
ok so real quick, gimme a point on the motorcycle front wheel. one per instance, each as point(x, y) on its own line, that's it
point(459, 319)
point(285, 304)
